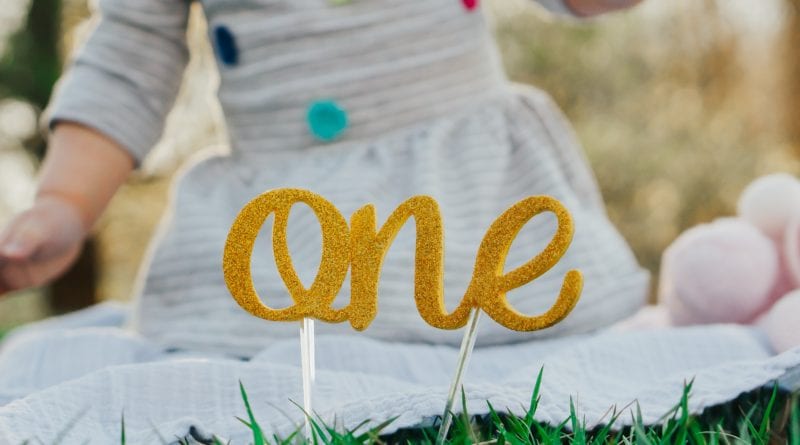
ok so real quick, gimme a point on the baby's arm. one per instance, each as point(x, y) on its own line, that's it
point(587, 8)
point(79, 176)
point(108, 111)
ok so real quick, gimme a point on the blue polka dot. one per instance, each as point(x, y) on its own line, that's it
point(225, 46)
point(326, 119)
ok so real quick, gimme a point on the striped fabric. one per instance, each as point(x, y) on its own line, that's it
point(430, 112)
point(641, 373)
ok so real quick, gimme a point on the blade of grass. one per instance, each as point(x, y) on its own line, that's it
point(317, 432)
point(499, 426)
point(794, 423)
point(289, 439)
point(713, 437)
point(746, 429)
point(535, 397)
point(639, 432)
point(374, 432)
point(751, 431)
point(316, 425)
point(602, 436)
point(696, 434)
point(682, 425)
point(766, 419)
point(578, 430)
point(258, 435)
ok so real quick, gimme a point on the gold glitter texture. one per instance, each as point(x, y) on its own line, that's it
point(369, 247)
point(489, 285)
point(314, 302)
point(364, 247)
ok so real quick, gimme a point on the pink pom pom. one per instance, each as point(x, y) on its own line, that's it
point(782, 323)
point(721, 272)
point(470, 4)
point(770, 202)
point(791, 250)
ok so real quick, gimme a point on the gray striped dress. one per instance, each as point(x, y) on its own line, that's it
point(428, 110)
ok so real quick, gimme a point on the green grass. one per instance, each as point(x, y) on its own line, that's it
point(763, 416)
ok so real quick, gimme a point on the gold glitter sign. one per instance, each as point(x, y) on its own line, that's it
point(361, 247)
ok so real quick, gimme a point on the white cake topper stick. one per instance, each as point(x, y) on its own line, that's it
point(309, 370)
point(467, 345)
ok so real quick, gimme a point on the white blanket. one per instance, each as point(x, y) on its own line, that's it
point(83, 367)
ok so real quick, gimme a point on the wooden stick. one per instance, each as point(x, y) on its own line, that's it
point(467, 345)
point(309, 370)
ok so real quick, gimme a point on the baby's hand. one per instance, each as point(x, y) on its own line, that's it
point(40, 243)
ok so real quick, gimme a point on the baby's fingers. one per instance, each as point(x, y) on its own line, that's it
point(4, 287)
point(23, 239)
point(12, 276)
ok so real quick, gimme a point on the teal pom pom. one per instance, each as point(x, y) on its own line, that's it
point(326, 119)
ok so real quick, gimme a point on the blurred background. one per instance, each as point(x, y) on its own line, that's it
point(679, 104)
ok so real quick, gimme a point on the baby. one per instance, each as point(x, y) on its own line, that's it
point(362, 101)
